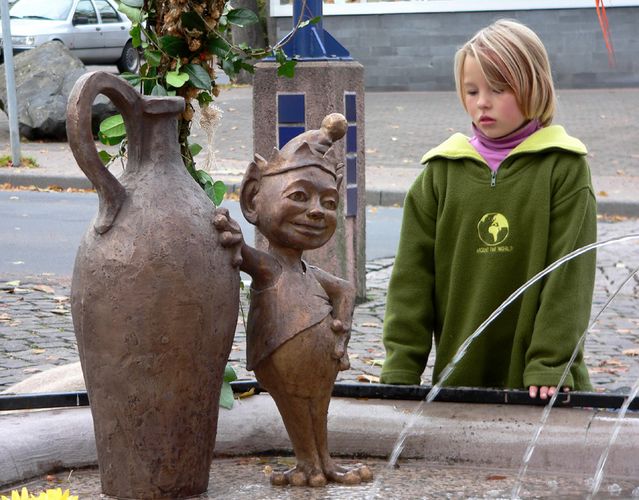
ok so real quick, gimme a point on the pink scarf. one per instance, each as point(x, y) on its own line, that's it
point(495, 150)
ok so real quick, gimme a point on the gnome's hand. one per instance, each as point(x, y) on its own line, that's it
point(230, 234)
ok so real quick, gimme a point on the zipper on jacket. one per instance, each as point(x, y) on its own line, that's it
point(493, 178)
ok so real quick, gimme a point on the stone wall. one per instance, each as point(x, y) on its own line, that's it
point(415, 51)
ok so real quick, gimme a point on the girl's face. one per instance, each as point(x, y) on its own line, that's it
point(494, 112)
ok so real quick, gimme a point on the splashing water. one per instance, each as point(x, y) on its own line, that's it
point(436, 388)
point(601, 465)
point(546, 413)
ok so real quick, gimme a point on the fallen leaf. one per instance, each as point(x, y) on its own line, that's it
point(247, 394)
point(613, 362)
point(630, 352)
point(38, 351)
point(375, 362)
point(31, 370)
point(496, 477)
point(44, 288)
point(5, 317)
point(370, 379)
point(60, 312)
point(602, 193)
point(370, 324)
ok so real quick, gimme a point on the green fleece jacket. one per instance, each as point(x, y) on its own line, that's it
point(471, 237)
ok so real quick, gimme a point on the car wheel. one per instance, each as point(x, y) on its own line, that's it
point(129, 60)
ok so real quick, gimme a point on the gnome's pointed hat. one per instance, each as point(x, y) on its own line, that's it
point(311, 148)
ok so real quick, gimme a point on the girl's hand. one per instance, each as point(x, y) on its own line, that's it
point(545, 392)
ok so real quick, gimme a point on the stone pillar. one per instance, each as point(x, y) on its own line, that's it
point(285, 107)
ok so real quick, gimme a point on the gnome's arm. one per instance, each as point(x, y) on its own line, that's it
point(341, 294)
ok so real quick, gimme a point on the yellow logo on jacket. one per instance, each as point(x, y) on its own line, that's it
point(493, 229)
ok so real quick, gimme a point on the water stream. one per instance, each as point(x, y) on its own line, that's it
point(546, 413)
point(436, 388)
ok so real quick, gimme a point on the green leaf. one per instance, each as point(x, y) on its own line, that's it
point(193, 20)
point(153, 57)
point(132, 78)
point(158, 90)
point(229, 373)
point(176, 78)
point(198, 76)
point(195, 149)
point(112, 130)
point(287, 69)
point(226, 396)
point(136, 35)
point(218, 46)
point(105, 157)
point(203, 177)
point(314, 20)
point(242, 17)
point(133, 13)
point(204, 98)
point(219, 189)
point(174, 46)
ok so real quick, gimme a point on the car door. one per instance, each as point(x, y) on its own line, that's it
point(87, 39)
point(114, 28)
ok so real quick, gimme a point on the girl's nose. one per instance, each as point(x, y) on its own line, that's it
point(484, 101)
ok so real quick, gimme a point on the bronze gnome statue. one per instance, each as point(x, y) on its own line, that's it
point(299, 318)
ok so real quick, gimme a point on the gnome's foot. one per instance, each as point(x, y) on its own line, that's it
point(354, 475)
point(298, 477)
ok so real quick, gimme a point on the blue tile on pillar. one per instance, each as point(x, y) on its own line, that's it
point(351, 170)
point(291, 117)
point(351, 201)
point(286, 133)
point(351, 139)
point(350, 107)
point(290, 108)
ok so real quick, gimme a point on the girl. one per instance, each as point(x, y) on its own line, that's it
point(485, 215)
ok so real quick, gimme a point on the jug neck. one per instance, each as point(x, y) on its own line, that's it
point(155, 141)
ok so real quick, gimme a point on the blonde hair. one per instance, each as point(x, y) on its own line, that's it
point(512, 56)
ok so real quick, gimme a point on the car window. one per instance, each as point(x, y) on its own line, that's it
point(41, 9)
point(85, 9)
point(107, 12)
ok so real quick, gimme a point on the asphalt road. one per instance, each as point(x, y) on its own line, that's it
point(40, 231)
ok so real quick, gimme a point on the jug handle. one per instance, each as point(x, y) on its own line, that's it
point(111, 194)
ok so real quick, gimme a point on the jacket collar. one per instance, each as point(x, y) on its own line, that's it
point(553, 137)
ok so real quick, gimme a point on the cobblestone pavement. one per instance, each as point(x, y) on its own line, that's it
point(36, 331)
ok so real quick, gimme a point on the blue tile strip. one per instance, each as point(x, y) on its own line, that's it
point(350, 112)
point(290, 108)
point(291, 117)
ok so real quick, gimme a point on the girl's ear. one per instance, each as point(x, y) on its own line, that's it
point(248, 190)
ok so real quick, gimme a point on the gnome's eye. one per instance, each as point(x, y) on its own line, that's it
point(329, 204)
point(299, 196)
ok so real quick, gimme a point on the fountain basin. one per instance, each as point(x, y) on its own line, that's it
point(481, 435)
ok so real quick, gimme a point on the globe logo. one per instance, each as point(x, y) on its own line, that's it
point(493, 229)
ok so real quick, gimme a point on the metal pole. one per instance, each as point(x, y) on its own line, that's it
point(12, 103)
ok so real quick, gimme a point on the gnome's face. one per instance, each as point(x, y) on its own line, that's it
point(298, 208)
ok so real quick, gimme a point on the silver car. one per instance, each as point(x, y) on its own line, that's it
point(93, 30)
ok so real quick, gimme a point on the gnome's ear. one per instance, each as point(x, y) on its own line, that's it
point(248, 190)
point(339, 171)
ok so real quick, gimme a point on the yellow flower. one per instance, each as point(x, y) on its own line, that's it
point(56, 494)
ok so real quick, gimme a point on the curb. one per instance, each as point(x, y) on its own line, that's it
point(444, 433)
point(374, 196)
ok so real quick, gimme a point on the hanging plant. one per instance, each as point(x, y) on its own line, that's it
point(184, 43)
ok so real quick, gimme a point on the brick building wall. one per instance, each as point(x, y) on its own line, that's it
point(415, 51)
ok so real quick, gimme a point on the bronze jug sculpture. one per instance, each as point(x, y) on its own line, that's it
point(154, 299)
